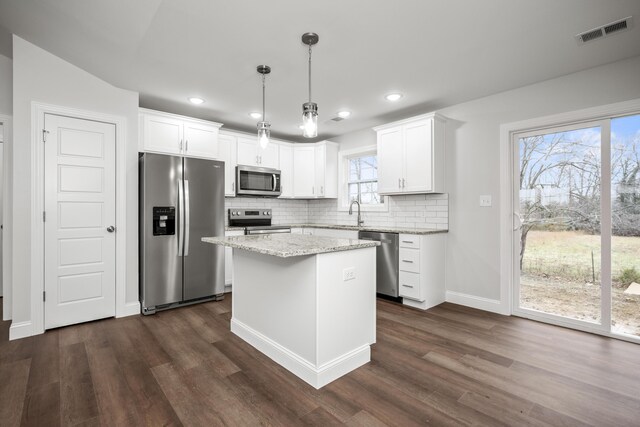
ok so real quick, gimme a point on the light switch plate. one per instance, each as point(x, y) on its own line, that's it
point(485, 201)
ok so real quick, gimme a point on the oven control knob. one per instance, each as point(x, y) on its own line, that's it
point(266, 213)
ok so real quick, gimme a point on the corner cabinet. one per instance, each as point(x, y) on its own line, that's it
point(178, 135)
point(411, 155)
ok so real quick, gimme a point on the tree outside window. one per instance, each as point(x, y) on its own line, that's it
point(362, 182)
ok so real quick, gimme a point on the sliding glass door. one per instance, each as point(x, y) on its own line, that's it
point(576, 205)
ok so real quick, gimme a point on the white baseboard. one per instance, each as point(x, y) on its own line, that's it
point(20, 330)
point(422, 305)
point(481, 303)
point(130, 309)
point(317, 376)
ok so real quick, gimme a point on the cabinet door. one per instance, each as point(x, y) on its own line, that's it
point(200, 140)
point(418, 166)
point(390, 149)
point(247, 151)
point(227, 153)
point(162, 134)
point(304, 172)
point(286, 171)
point(320, 162)
point(270, 156)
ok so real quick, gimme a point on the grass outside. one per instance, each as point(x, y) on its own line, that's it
point(557, 277)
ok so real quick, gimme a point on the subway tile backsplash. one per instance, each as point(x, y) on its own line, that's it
point(419, 211)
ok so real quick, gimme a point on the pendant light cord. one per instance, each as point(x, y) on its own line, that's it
point(309, 72)
point(264, 119)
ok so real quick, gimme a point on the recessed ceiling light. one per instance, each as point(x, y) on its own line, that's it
point(255, 115)
point(195, 100)
point(393, 97)
point(344, 114)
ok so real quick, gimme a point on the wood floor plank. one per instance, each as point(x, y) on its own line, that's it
point(13, 389)
point(42, 406)
point(77, 397)
point(116, 401)
point(364, 419)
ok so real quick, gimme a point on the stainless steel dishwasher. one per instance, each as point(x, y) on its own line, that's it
point(387, 268)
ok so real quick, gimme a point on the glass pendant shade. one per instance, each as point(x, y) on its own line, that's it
point(263, 134)
point(309, 120)
point(263, 126)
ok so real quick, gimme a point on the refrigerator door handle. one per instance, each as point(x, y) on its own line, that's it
point(187, 212)
point(180, 219)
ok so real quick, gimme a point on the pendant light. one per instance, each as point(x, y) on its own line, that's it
point(310, 109)
point(263, 126)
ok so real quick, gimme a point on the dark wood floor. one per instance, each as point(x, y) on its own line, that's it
point(449, 366)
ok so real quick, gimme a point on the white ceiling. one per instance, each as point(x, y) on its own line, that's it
point(437, 52)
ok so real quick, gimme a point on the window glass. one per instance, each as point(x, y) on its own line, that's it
point(363, 180)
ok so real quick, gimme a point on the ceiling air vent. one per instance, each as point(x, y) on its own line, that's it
point(605, 30)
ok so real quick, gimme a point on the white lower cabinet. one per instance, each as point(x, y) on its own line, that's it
point(228, 260)
point(421, 277)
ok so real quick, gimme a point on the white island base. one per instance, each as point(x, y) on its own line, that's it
point(302, 313)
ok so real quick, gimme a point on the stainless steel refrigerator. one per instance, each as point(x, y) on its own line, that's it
point(181, 201)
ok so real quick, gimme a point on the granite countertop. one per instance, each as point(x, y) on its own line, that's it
point(382, 229)
point(290, 245)
point(232, 228)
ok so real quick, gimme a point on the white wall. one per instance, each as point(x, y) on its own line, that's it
point(473, 162)
point(6, 85)
point(42, 77)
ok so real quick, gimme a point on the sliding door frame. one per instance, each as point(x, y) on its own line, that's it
point(508, 249)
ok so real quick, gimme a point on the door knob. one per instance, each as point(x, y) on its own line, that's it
point(111, 229)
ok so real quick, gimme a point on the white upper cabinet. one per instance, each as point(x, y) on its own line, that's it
point(315, 170)
point(304, 181)
point(326, 171)
point(250, 153)
point(286, 171)
point(227, 153)
point(411, 155)
point(171, 134)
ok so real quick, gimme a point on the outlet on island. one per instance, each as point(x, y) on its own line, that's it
point(348, 274)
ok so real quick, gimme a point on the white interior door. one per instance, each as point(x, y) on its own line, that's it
point(79, 179)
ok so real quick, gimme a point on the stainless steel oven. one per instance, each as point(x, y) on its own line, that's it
point(255, 221)
point(257, 182)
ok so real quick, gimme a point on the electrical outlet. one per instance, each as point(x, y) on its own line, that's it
point(348, 274)
point(485, 201)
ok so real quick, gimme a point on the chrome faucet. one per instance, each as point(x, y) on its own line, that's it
point(360, 221)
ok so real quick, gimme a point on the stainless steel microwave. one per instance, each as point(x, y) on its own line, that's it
point(257, 182)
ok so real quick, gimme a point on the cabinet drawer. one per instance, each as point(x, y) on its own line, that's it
point(410, 260)
point(410, 285)
point(409, 241)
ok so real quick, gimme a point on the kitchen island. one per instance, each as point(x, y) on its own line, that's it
point(307, 302)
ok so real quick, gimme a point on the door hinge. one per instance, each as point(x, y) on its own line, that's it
point(44, 135)
point(44, 296)
point(44, 216)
